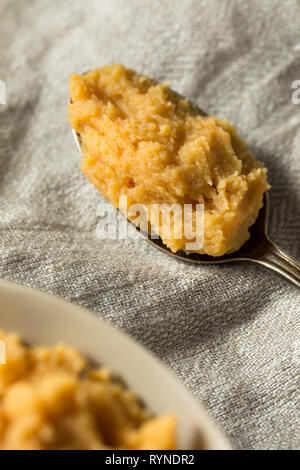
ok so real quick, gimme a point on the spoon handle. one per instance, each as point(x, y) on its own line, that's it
point(277, 260)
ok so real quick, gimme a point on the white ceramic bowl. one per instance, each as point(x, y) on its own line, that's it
point(45, 319)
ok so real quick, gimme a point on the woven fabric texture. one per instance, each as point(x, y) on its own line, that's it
point(229, 332)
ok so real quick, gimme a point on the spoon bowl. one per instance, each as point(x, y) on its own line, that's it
point(259, 248)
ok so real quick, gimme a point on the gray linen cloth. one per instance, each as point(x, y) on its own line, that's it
point(230, 333)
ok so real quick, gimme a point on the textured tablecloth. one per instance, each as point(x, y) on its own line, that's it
point(231, 333)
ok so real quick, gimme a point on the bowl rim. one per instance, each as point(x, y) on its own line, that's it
point(209, 428)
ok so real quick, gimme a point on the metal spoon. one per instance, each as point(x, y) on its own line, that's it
point(258, 249)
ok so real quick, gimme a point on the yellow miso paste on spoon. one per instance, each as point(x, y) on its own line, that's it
point(142, 140)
